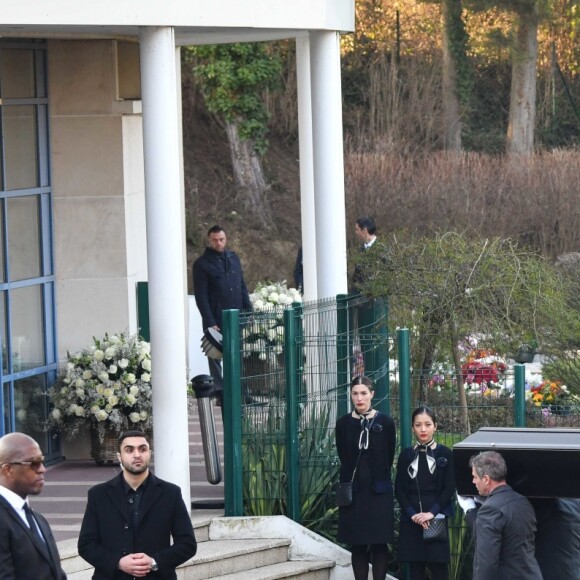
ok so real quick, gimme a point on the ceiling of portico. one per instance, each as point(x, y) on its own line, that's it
point(194, 21)
point(183, 36)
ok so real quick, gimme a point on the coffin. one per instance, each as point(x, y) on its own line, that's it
point(540, 462)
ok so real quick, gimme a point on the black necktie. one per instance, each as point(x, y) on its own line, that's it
point(32, 523)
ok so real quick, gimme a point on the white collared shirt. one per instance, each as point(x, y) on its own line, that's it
point(370, 242)
point(15, 501)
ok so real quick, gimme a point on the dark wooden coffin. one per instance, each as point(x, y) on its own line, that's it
point(540, 462)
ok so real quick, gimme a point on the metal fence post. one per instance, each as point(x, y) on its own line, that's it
point(233, 482)
point(520, 395)
point(342, 378)
point(143, 310)
point(404, 386)
point(292, 444)
point(381, 355)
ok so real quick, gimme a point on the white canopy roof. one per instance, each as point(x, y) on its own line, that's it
point(194, 21)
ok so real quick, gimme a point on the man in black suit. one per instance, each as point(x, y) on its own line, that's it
point(130, 519)
point(504, 525)
point(27, 546)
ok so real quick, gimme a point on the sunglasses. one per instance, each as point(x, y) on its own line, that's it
point(32, 463)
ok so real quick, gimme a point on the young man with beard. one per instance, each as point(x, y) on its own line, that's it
point(129, 520)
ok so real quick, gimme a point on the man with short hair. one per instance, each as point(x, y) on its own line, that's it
point(219, 285)
point(365, 230)
point(129, 520)
point(27, 547)
point(504, 525)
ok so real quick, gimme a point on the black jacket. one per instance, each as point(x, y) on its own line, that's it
point(107, 533)
point(445, 482)
point(504, 529)
point(22, 556)
point(382, 443)
point(219, 285)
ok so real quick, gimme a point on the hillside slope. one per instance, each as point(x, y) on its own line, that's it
point(210, 199)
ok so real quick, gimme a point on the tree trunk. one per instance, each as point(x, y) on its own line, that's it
point(522, 117)
point(249, 176)
point(460, 384)
point(450, 13)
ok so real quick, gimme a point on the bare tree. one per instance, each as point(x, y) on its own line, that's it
point(522, 116)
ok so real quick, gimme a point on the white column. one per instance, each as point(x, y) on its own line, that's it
point(307, 209)
point(331, 266)
point(165, 226)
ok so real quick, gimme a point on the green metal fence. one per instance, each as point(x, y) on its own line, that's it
point(292, 382)
point(288, 370)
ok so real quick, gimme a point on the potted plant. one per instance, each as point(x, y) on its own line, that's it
point(526, 352)
point(107, 388)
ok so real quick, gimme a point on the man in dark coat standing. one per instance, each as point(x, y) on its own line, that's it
point(558, 537)
point(129, 520)
point(504, 525)
point(219, 285)
point(27, 546)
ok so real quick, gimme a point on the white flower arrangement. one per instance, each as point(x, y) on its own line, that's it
point(263, 337)
point(107, 385)
point(270, 295)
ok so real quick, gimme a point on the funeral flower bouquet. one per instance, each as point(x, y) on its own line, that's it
point(264, 335)
point(107, 385)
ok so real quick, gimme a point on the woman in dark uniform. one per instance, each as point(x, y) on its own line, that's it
point(424, 487)
point(365, 440)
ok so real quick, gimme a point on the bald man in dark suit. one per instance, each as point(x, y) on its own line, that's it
point(27, 547)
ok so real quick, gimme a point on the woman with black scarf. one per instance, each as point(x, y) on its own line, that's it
point(424, 487)
point(365, 441)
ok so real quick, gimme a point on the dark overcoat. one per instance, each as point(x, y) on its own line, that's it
point(108, 534)
point(219, 285)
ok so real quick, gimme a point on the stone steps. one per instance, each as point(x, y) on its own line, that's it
point(63, 498)
point(226, 559)
point(230, 555)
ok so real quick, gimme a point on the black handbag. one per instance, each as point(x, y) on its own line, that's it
point(343, 494)
point(437, 530)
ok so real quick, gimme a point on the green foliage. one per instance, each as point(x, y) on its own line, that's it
point(265, 469)
point(461, 547)
point(458, 45)
point(233, 78)
point(450, 285)
point(565, 369)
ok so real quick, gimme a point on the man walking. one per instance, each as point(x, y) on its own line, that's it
point(129, 520)
point(504, 525)
point(219, 285)
point(27, 546)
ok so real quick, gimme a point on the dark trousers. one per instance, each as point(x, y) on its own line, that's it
point(215, 370)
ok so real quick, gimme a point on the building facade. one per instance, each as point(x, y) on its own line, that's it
point(91, 198)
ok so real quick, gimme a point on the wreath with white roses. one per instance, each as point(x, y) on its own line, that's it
point(107, 385)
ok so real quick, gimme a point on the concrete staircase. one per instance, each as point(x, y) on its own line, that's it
point(236, 554)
